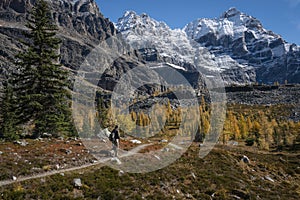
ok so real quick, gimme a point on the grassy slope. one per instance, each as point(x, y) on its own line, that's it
point(220, 175)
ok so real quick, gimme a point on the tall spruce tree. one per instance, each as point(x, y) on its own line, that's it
point(40, 83)
point(8, 128)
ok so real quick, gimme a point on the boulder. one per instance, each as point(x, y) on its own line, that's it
point(135, 141)
point(77, 182)
point(121, 173)
point(68, 151)
point(245, 159)
point(46, 135)
point(22, 143)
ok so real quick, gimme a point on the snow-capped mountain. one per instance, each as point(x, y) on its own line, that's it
point(158, 42)
point(143, 32)
point(243, 38)
point(232, 23)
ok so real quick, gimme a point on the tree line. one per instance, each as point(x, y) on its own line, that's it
point(263, 126)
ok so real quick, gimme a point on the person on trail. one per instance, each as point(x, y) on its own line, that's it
point(115, 140)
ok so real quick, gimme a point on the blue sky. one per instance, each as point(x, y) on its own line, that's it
point(280, 16)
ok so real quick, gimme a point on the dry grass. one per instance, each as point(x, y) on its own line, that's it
point(220, 175)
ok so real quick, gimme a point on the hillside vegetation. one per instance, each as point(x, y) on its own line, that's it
point(220, 175)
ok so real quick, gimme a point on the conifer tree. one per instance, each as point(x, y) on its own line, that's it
point(8, 119)
point(40, 83)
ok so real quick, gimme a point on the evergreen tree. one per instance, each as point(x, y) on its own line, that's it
point(8, 118)
point(39, 82)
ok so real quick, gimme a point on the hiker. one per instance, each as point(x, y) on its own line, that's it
point(115, 140)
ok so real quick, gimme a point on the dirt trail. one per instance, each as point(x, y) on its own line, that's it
point(50, 173)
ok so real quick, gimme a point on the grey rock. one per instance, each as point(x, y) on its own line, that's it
point(193, 175)
point(47, 135)
point(245, 159)
point(121, 173)
point(68, 151)
point(135, 141)
point(22, 143)
point(77, 182)
point(269, 178)
point(164, 141)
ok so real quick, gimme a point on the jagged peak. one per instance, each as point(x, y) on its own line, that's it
point(232, 23)
point(240, 18)
point(144, 15)
point(129, 13)
point(133, 15)
point(231, 12)
point(131, 19)
point(74, 1)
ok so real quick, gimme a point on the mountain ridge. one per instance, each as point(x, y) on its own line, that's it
point(234, 37)
point(82, 27)
point(174, 46)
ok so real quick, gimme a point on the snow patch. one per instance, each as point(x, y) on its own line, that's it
point(176, 66)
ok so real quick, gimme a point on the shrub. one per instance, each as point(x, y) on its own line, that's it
point(250, 141)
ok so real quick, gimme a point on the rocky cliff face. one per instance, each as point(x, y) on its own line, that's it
point(160, 47)
point(81, 28)
point(235, 44)
point(174, 47)
point(243, 38)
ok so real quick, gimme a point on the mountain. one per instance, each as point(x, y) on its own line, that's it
point(234, 44)
point(245, 40)
point(145, 32)
point(91, 45)
point(82, 29)
point(81, 26)
point(177, 49)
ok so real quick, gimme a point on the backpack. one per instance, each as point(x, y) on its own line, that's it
point(110, 137)
point(113, 136)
